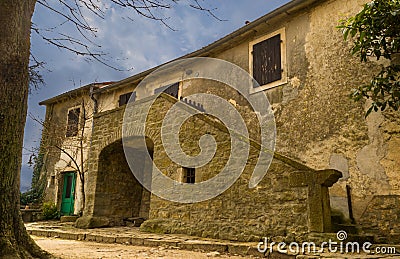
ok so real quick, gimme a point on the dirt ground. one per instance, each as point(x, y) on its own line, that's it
point(89, 250)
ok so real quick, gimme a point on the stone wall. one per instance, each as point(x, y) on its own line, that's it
point(31, 215)
point(322, 127)
point(291, 201)
point(381, 218)
point(283, 204)
point(317, 123)
point(112, 192)
point(106, 131)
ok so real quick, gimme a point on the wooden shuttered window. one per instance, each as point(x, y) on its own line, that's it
point(169, 89)
point(124, 98)
point(73, 122)
point(267, 66)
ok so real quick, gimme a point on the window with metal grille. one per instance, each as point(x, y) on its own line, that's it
point(189, 175)
point(125, 98)
point(267, 64)
point(172, 90)
point(73, 122)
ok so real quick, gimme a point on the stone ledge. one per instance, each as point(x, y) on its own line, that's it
point(68, 218)
point(31, 215)
point(92, 222)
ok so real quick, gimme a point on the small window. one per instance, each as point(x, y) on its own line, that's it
point(73, 122)
point(124, 98)
point(268, 60)
point(172, 90)
point(189, 175)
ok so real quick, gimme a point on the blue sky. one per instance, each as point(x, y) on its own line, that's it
point(134, 45)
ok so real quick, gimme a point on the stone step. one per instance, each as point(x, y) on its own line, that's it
point(248, 250)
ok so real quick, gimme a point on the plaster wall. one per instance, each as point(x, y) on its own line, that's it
point(57, 161)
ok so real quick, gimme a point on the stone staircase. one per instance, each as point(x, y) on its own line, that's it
point(340, 224)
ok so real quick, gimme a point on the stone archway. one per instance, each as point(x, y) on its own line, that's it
point(118, 194)
point(102, 204)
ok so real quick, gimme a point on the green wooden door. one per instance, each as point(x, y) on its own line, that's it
point(68, 196)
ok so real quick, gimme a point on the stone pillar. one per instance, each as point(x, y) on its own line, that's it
point(319, 211)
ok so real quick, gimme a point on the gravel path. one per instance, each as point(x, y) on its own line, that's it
point(89, 250)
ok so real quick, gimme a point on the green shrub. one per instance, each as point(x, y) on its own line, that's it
point(35, 194)
point(49, 211)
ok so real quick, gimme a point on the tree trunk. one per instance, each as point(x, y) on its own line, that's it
point(15, 23)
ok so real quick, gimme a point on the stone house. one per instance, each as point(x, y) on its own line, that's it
point(323, 140)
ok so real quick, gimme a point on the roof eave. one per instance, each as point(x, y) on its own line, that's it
point(285, 10)
point(76, 91)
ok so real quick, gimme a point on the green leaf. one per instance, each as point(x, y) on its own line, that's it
point(345, 33)
point(362, 35)
point(353, 32)
point(378, 28)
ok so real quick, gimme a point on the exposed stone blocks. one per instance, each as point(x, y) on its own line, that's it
point(381, 218)
point(273, 208)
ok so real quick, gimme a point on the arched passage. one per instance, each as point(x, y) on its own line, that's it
point(118, 193)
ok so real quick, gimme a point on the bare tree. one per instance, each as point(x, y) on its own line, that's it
point(15, 30)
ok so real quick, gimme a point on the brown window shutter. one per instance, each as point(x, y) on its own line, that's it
point(73, 122)
point(173, 90)
point(124, 98)
point(267, 60)
point(169, 89)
